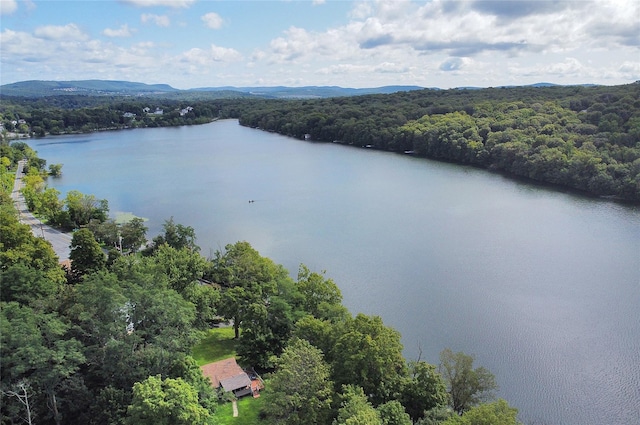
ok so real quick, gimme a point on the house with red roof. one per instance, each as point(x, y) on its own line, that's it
point(226, 374)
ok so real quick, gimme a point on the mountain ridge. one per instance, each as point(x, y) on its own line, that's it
point(97, 87)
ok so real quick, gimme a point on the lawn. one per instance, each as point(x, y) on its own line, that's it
point(217, 344)
point(248, 411)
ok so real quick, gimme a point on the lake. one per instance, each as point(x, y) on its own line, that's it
point(543, 287)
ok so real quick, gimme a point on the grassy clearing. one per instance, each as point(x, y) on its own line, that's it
point(248, 411)
point(217, 344)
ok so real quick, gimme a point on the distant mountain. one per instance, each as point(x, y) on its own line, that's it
point(307, 92)
point(38, 88)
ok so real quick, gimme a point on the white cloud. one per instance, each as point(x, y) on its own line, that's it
point(176, 4)
point(7, 7)
point(391, 68)
point(69, 32)
point(15, 44)
point(224, 54)
point(203, 57)
point(630, 69)
point(212, 20)
point(123, 31)
point(159, 20)
point(454, 64)
point(570, 66)
point(318, 2)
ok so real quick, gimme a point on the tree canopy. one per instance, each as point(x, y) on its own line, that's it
point(112, 344)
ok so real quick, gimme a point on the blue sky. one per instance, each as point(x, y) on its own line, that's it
point(210, 43)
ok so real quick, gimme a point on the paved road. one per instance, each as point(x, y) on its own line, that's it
point(59, 240)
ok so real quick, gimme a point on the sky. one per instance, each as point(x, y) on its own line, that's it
point(359, 44)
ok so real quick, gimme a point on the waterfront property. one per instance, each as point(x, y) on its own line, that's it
point(229, 376)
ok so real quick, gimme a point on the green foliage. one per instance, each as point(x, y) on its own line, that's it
point(19, 246)
point(585, 138)
point(370, 354)
point(249, 279)
point(177, 236)
point(158, 401)
point(355, 409)
point(320, 297)
point(300, 389)
point(86, 255)
point(114, 348)
point(392, 413)
point(423, 389)
point(55, 170)
point(497, 413)
point(84, 208)
point(26, 285)
point(35, 346)
point(467, 386)
point(182, 266)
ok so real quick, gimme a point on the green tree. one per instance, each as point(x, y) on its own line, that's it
point(206, 298)
point(321, 297)
point(300, 389)
point(496, 413)
point(355, 408)
point(86, 255)
point(423, 389)
point(182, 267)
point(467, 386)
point(158, 401)
point(176, 236)
point(320, 333)
point(36, 346)
point(266, 330)
point(370, 354)
point(393, 413)
point(19, 246)
point(55, 170)
point(26, 285)
point(82, 208)
point(162, 318)
point(250, 280)
point(134, 234)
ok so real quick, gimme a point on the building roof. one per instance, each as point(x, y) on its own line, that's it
point(236, 382)
point(226, 373)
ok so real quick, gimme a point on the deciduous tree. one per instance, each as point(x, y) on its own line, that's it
point(86, 255)
point(300, 389)
point(496, 413)
point(355, 408)
point(467, 386)
point(158, 401)
point(393, 413)
point(423, 389)
point(370, 354)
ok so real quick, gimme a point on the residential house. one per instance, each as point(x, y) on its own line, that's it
point(226, 374)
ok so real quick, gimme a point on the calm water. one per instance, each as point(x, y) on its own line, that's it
point(542, 287)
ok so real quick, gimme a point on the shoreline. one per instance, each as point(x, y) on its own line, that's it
point(60, 241)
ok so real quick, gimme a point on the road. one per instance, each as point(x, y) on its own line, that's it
point(60, 241)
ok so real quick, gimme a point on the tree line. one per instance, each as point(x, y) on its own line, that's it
point(581, 138)
point(108, 340)
point(584, 138)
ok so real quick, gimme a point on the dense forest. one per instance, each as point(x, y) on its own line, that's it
point(584, 138)
point(109, 339)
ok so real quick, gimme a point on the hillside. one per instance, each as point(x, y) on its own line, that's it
point(36, 89)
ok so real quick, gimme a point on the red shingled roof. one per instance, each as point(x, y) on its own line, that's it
point(226, 370)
